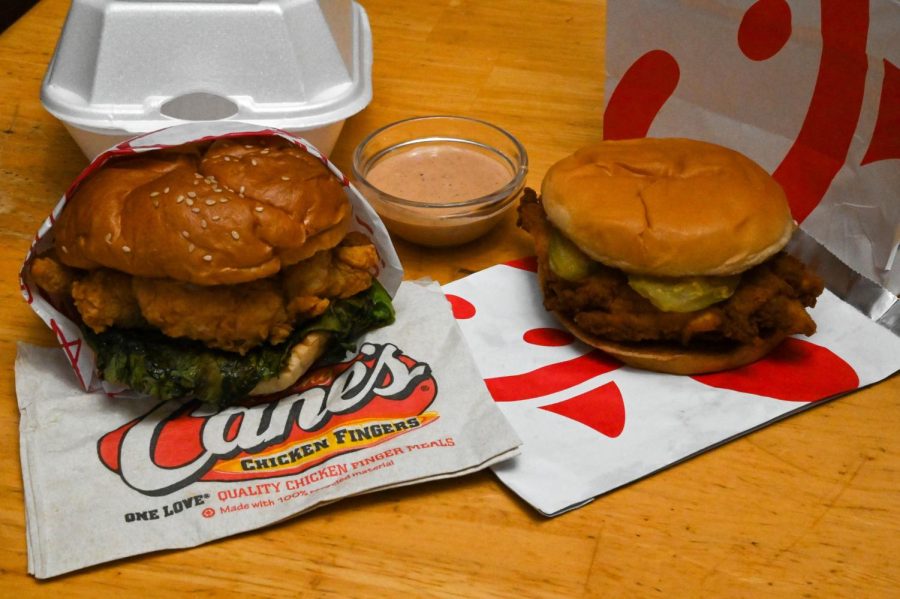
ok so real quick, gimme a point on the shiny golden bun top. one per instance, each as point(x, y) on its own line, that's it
point(668, 207)
point(232, 211)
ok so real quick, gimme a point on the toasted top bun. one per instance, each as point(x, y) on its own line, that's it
point(233, 211)
point(668, 207)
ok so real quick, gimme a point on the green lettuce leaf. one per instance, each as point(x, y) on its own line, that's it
point(167, 368)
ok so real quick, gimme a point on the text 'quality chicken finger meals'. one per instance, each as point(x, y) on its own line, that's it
point(214, 269)
point(667, 254)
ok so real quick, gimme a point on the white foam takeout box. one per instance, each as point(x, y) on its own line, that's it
point(127, 67)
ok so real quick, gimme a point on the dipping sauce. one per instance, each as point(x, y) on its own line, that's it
point(440, 173)
point(440, 180)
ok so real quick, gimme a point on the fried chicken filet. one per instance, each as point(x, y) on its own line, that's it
point(769, 299)
point(234, 318)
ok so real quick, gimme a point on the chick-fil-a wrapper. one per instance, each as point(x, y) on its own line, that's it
point(808, 89)
point(589, 425)
point(108, 476)
point(811, 91)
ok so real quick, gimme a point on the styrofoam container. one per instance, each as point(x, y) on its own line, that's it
point(128, 67)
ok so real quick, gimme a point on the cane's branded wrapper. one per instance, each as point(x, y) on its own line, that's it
point(110, 473)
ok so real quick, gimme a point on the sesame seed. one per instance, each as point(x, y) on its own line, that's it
point(217, 190)
point(126, 249)
point(208, 258)
point(253, 161)
point(109, 238)
point(185, 234)
point(248, 146)
point(155, 203)
point(241, 190)
point(210, 202)
point(285, 178)
point(196, 182)
point(190, 202)
point(166, 190)
point(192, 194)
point(191, 247)
point(259, 208)
point(198, 176)
point(228, 159)
point(153, 194)
point(64, 249)
point(223, 201)
point(266, 151)
point(195, 210)
point(179, 200)
point(235, 235)
point(203, 223)
point(216, 218)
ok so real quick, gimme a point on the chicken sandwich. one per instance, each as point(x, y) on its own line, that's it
point(213, 270)
point(668, 254)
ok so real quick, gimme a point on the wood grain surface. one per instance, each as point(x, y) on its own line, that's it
point(809, 507)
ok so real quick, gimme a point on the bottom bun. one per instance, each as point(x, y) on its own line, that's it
point(673, 359)
point(302, 356)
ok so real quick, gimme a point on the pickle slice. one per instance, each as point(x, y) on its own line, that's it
point(684, 294)
point(566, 260)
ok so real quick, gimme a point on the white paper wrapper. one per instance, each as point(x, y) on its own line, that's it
point(107, 478)
point(810, 90)
point(109, 474)
point(590, 425)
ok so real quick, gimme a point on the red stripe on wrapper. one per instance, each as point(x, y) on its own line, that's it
point(823, 142)
point(796, 371)
point(551, 379)
point(67, 347)
point(885, 142)
point(765, 29)
point(644, 89)
point(528, 263)
point(462, 308)
point(601, 409)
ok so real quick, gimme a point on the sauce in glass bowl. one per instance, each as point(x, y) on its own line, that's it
point(439, 173)
point(441, 180)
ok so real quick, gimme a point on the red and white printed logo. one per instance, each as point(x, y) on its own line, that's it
point(378, 395)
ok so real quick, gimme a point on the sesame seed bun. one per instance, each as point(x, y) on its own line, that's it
point(229, 212)
point(213, 270)
point(668, 207)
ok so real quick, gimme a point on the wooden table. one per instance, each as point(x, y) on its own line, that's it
point(807, 507)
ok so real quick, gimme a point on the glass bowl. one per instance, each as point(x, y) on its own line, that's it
point(440, 180)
